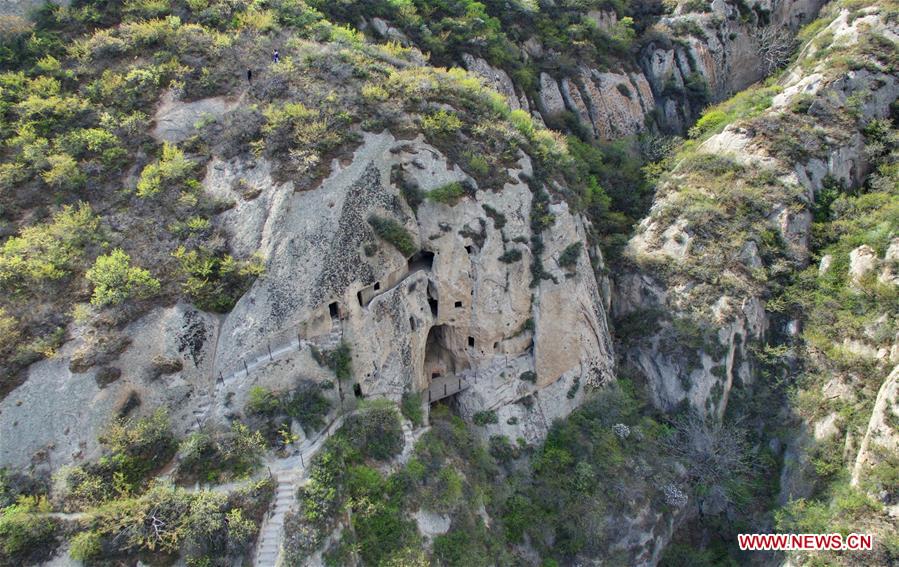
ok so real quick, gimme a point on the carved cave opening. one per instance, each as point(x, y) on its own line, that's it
point(443, 366)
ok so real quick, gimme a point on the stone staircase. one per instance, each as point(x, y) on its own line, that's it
point(332, 339)
point(410, 437)
point(325, 342)
point(288, 478)
point(268, 548)
point(201, 410)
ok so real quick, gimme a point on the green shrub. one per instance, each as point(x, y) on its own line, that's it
point(171, 169)
point(441, 123)
point(477, 164)
point(375, 431)
point(306, 404)
point(86, 546)
point(216, 281)
point(262, 401)
point(502, 449)
point(443, 493)
point(9, 333)
point(166, 519)
point(375, 93)
point(116, 280)
point(499, 219)
point(382, 530)
point(217, 456)
point(394, 233)
point(47, 252)
point(485, 417)
point(133, 448)
point(569, 257)
point(341, 361)
point(141, 445)
point(23, 527)
point(510, 256)
point(742, 106)
point(64, 173)
point(523, 123)
point(411, 408)
point(448, 194)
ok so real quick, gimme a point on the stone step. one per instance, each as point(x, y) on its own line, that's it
point(270, 546)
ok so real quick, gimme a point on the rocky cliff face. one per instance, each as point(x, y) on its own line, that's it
point(453, 311)
point(687, 61)
point(685, 236)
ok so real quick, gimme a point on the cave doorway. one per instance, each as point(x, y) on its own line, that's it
point(433, 302)
point(421, 260)
point(357, 391)
point(443, 368)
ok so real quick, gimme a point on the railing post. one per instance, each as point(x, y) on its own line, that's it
point(270, 352)
point(245, 367)
point(444, 388)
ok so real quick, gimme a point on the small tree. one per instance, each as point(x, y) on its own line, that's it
point(171, 168)
point(713, 452)
point(569, 256)
point(64, 173)
point(775, 46)
point(116, 280)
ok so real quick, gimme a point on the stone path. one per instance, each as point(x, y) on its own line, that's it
point(269, 544)
point(325, 342)
point(289, 476)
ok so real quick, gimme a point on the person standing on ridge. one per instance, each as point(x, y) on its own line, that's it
point(249, 75)
point(276, 57)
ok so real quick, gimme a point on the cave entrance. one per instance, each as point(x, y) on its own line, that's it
point(442, 367)
point(357, 391)
point(432, 299)
point(422, 260)
point(334, 310)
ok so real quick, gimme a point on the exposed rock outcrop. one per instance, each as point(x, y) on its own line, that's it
point(454, 309)
point(882, 434)
point(496, 79)
point(460, 312)
point(696, 59)
point(734, 312)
